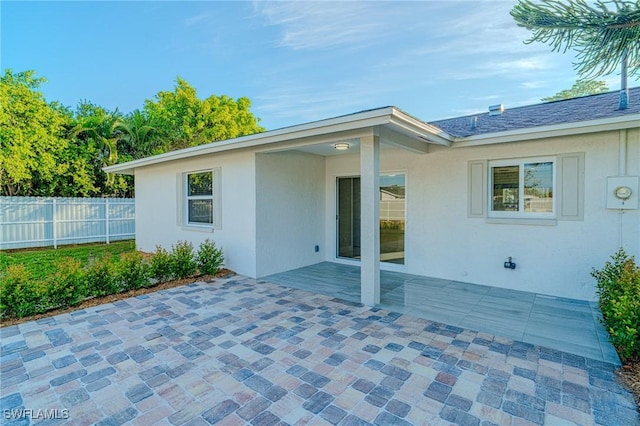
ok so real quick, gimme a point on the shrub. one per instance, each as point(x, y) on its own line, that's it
point(618, 285)
point(161, 268)
point(67, 286)
point(99, 277)
point(183, 262)
point(15, 276)
point(209, 258)
point(31, 299)
point(20, 295)
point(132, 271)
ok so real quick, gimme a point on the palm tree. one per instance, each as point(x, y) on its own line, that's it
point(95, 125)
point(140, 136)
point(101, 126)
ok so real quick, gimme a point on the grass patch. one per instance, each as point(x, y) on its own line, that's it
point(41, 262)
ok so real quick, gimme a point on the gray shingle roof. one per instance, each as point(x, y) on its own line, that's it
point(545, 114)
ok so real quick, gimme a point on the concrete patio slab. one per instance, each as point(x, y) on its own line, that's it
point(240, 351)
point(567, 325)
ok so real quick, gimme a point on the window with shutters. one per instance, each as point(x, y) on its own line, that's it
point(533, 190)
point(522, 188)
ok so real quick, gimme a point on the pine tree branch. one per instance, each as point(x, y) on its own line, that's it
point(597, 33)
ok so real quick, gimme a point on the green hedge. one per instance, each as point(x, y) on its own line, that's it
point(21, 295)
point(619, 298)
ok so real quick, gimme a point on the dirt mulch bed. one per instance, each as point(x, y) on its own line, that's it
point(95, 301)
point(629, 375)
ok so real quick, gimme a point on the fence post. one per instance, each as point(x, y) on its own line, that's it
point(106, 218)
point(53, 223)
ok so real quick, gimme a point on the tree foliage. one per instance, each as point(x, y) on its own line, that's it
point(103, 128)
point(102, 131)
point(600, 32)
point(50, 150)
point(141, 138)
point(183, 120)
point(579, 88)
point(35, 154)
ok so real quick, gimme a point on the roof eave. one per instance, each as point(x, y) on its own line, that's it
point(372, 118)
point(423, 131)
point(565, 129)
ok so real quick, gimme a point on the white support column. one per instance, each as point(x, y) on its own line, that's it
point(370, 220)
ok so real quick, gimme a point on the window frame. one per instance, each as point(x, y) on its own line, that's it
point(521, 214)
point(214, 197)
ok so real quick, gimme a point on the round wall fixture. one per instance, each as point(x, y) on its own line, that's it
point(622, 192)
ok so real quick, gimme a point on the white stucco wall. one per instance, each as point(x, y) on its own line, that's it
point(290, 211)
point(441, 241)
point(157, 207)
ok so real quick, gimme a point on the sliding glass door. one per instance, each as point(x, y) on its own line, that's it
point(349, 217)
point(392, 217)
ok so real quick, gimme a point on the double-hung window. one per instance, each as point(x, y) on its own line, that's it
point(522, 188)
point(201, 201)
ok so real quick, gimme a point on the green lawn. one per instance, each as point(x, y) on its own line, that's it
point(41, 262)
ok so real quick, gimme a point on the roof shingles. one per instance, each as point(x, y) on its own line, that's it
point(545, 114)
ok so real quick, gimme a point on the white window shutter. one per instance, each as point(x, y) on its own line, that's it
point(570, 186)
point(179, 199)
point(477, 189)
point(217, 198)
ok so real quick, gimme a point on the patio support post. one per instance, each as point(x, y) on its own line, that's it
point(370, 220)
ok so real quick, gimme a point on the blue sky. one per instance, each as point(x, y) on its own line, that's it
point(296, 61)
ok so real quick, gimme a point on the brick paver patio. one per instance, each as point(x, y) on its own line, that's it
point(241, 351)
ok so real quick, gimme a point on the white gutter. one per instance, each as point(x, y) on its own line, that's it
point(425, 131)
point(581, 127)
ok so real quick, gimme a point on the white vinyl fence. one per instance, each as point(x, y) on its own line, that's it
point(39, 222)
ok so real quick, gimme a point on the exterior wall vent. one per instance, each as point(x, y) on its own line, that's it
point(496, 109)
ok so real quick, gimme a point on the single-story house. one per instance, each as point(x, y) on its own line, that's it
point(549, 189)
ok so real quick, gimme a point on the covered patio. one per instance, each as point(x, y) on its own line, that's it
point(563, 324)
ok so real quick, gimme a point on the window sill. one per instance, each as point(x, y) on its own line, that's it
point(522, 221)
point(196, 228)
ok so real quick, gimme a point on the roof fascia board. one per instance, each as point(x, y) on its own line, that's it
point(339, 136)
point(412, 126)
point(339, 124)
point(566, 129)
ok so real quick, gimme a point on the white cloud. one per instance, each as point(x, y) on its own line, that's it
point(535, 63)
point(482, 28)
point(308, 25)
point(486, 98)
point(196, 19)
point(369, 54)
point(536, 84)
point(306, 103)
